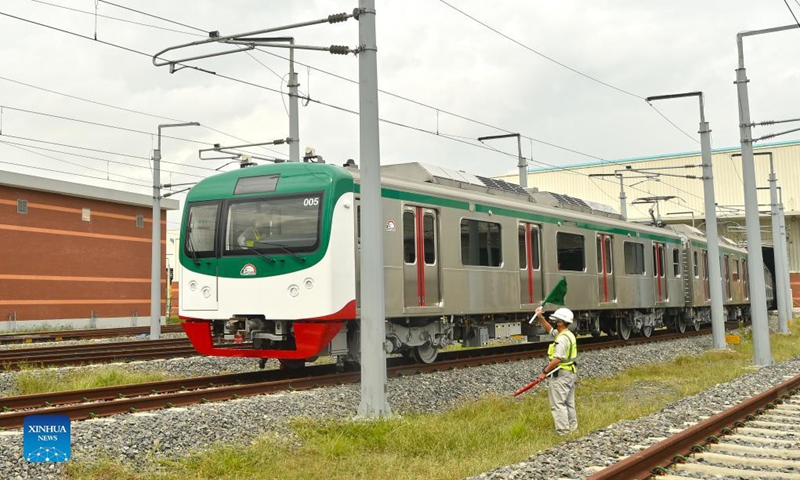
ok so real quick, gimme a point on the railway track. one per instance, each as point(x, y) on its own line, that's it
point(17, 358)
point(57, 336)
point(759, 438)
point(83, 404)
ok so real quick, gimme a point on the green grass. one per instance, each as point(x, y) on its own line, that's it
point(474, 438)
point(29, 382)
point(174, 320)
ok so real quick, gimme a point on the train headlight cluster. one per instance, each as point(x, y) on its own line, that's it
point(294, 291)
point(206, 292)
point(309, 283)
point(193, 285)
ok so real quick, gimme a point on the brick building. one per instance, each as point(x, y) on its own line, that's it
point(73, 254)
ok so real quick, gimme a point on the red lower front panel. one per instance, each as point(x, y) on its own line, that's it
point(310, 339)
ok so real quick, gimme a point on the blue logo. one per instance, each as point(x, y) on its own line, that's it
point(46, 438)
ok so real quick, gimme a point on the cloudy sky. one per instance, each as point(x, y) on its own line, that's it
point(428, 52)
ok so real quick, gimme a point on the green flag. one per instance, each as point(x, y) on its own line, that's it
point(558, 293)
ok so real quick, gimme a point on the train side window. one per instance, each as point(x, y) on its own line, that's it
point(523, 252)
point(201, 229)
point(676, 262)
point(634, 258)
point(481, 243)
point(696, 265)
point(428, 236)
point(571, 252)
point(409, 238)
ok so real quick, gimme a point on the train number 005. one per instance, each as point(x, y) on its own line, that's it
point(311, 202)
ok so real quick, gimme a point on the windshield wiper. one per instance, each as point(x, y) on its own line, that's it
point(190, 246)
point(260, 254)
point(283, 247)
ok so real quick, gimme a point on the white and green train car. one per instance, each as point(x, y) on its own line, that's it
point(270, 259)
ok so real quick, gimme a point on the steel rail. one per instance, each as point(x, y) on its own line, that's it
point(61, 335)
point(642, 464)
point(157, 395)
point(102, 352)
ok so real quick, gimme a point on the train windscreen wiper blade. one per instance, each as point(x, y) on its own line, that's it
point(190, 246)
point(260, 254)
point(283, 247)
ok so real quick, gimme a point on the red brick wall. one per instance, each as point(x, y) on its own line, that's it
point(54, 265)
point(794, 278)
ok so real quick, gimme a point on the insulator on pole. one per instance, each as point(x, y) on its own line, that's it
point(339, 49)
point(338, 17)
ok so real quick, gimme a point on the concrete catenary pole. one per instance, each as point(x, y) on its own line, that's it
point(623, 203)
point(781, 263)
point(762, 356)
point(294, 111)
point(715, 278)
point(373, 329)
point(712, 236)
point(787, 284)
point(155, 259)
point(522, 165)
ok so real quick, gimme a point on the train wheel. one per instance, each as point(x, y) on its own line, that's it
point(426, 353)
point(623, 329)
point(647, 330)
point(287, 364)
point(680, 325)
point(696, 326)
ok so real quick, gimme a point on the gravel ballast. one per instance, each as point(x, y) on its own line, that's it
point(133, 438)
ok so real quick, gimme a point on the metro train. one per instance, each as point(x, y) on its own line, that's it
point(270, 263)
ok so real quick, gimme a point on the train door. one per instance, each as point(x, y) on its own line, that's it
point(605, 269)
point(420, 257)
point(706, 290)
point(659, 272)
point(745, 280)
point(530, 266)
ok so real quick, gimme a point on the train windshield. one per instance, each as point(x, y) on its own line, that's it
point(273, 225)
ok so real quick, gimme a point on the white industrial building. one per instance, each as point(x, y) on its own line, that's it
point(687, 207)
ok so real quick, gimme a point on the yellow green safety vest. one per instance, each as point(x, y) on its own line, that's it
point(252, 243)
point(568, 363)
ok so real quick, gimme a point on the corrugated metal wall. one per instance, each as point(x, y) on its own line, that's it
point(728, 187)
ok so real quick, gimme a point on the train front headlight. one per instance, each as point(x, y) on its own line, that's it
point(294, 291)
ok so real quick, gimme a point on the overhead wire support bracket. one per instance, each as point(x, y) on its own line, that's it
point(214, 37)
point(774, 122)
point(229, 153)
point(773, 135)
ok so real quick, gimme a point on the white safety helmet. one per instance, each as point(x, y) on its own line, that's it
point(563, 314)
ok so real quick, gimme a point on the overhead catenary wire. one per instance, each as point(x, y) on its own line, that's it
point(129, 110)
point(340, 77)
point(41, 168)
point(792, 12)
point(89, 157)
point(563, 65)
point(335, 107)
point(77, 147)
point(98, 15)
point(152, 16)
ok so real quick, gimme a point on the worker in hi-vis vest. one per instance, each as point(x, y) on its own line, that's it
point(560, 371)
point(251, 235)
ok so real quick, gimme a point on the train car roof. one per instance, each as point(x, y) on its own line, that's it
point(477, 196)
